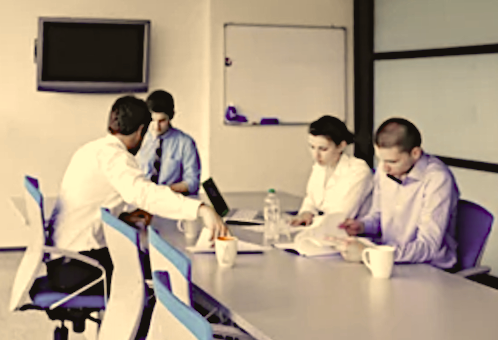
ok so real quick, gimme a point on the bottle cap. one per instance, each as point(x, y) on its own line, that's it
point(271, 191)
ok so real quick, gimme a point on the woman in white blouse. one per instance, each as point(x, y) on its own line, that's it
point(338, 182)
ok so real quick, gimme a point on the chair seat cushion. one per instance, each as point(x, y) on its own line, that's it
point(43, 295)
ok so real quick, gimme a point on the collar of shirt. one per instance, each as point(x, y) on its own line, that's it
point(171, 131)
point(115, 140)
point(416, 173)
point(341, 167)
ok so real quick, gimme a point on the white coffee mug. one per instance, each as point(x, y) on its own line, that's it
point(379, 260)
point(226, 250)
point(189, 227)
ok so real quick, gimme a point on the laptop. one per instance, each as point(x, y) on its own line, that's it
point(231, 216)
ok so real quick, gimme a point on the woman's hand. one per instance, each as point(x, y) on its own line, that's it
point(304, 218)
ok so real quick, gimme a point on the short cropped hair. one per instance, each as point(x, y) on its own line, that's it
point(127, 114)
point(332, 128)
point(398, 132)
point(161, 101)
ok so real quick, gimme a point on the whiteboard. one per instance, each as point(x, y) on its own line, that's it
point(452, 100)
point(294, 73)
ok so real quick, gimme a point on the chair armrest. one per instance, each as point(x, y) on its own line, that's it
point(473, 271)
point(73, 255)
point(82, 258)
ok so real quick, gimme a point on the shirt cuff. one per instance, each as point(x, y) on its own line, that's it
point(308, 209)
point(371, 226)
point(190, 208)
point(193, 187)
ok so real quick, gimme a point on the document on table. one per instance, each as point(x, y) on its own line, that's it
point(261, 228)
point(312, 241)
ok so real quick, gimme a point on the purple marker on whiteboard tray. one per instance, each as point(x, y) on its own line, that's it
point(232, 116)
point(231, 113)
point(269, 121)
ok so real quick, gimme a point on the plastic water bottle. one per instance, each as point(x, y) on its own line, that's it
point(272, 217)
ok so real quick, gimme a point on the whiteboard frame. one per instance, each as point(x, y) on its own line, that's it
point(346, 90)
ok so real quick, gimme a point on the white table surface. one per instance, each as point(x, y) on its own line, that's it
point(278, 295)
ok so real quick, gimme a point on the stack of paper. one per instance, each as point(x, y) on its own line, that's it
point(313, 240)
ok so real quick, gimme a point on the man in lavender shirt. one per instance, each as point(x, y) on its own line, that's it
point(414, 201)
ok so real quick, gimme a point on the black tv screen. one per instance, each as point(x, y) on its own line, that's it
point(93, 55)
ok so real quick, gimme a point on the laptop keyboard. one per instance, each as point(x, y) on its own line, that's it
point(244, 214)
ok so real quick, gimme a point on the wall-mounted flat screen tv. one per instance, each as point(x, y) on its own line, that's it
point(92, 55)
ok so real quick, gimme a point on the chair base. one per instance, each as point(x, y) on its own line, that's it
point(61, 333)
point(77, 316)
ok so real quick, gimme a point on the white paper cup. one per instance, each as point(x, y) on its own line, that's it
point(226, 250)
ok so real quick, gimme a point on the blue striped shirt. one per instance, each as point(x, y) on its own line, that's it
point(179, 162)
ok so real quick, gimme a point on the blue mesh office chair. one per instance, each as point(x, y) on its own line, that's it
point(173, 319)
point(129, 293)
point(76, 306)
point(165, 257)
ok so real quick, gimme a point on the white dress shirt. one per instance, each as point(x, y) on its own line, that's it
point(346, 189)
point(103, 173)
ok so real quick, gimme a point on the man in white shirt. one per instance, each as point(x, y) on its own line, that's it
point(104, 173)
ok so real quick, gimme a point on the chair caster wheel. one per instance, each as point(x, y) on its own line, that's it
point(61, 333)
point(79, 326)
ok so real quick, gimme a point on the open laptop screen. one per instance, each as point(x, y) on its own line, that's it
point(215, 197)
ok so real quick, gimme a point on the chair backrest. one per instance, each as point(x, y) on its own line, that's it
point(173, 319)
point(165, 257)
point(472, 229)
point(33, 256)
point(127, 297)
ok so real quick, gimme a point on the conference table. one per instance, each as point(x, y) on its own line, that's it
point(278, 295)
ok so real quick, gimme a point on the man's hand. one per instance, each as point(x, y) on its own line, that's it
point(212, 221)
point(138, 218)
point(180, 187)
point(305, 218)
point(353, 227)
point(350, 248)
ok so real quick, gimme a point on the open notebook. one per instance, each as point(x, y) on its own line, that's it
point(204, 245)
point(312, 241)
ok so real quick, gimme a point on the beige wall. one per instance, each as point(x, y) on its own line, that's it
point(41, 130)
point(262, 157)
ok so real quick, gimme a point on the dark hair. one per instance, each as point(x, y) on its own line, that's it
point(398, 132)
point(161, 101)
point(127, 114)
point(332, 128)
